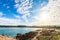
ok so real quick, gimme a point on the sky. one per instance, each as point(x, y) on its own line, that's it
point(30, 12)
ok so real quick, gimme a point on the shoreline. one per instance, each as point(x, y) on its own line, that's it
point(29, 34)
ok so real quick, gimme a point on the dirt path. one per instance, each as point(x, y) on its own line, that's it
point(38, 34)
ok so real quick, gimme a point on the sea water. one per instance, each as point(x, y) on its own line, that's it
point(13, 31)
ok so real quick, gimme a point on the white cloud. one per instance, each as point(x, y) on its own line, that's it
point(1, 14)
point(49, 14)
point(17, 16)
point(23, 8)
point(6, 21)
point(16, 1)
point(16, 6)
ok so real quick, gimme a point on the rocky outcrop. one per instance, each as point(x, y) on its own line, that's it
point(4, 37)
point(39, 35)
point(27, 36)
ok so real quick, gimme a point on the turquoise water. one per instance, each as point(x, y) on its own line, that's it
point(13, 31)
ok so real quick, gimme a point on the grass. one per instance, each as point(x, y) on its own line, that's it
point(55, 37)
point(49, 36)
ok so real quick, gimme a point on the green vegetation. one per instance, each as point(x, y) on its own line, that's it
point(48, 35)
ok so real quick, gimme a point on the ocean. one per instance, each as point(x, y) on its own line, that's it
point(13, 31)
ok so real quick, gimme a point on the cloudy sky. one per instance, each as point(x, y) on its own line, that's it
point(30, 12)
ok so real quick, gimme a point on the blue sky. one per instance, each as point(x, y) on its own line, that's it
point(22, 12)
point(8, 8)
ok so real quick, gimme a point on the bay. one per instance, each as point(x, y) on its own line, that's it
point(13, 31)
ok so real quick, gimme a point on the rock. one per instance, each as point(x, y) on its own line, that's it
point(38, 35)
point(19, 36)
point(26, 36)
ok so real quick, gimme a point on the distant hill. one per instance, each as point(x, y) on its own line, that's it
point(24, 26)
